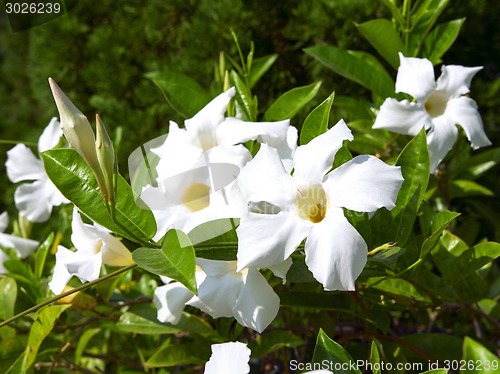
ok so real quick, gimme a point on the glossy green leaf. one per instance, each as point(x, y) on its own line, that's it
point(439, 223)
point(272, 341)
point(396, 286)
point(180, 354)
point(360, 67)
point(176, 259)
point(8, 296)
point(133, 323)
point(22, 273)
point(19, 366)
point(396, 13)
point(479, 355)
point(244, 98)
point(43, 325)
point(477, 165)
point(462, 188)
point(383, 36)
point(71, 175)
point(422, 20)
point(288, 104)
point(259, 67)
point(327, 350)
point(358, 108)
point(375, 359)
point(440, 39)
point(41, 255)
point(216, 240)
point(316, 123)
point(471, 260)
point(182, 93)
point(414, 162)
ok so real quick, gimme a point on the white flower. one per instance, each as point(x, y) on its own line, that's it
point(309, 205)
point(35, 200)
point(229, 358)
point(440, 105)
point(233, 358)
point(95, 246)
point(222, 292)
point(198, 165)
point(23, 247)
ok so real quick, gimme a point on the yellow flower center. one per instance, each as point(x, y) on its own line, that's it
point(436, 102)
point(312, 203)
point(196, 197)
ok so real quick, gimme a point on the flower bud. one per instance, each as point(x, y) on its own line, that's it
point(75, 127)
point(107, 160)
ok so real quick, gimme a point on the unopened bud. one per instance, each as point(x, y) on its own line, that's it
point(107, 160)
point(75, 127)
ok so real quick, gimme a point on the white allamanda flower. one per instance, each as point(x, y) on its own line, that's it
point(35, 200)
point(308, 205)
point(23, 247)
point(95, 246)
point(439, 106)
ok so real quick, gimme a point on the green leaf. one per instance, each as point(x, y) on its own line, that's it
point(183, 93)
point(244, 98)
point(179, 354)
point(272, 341)
point(435, 371)
point(360, 67)
point(396, 14)
point(384, 38)
point(136, 324)
point(19, 366)
point(176, 259)
point(388, 256)
point(216, 240)
point(375, 358)
point(439, 223)
point(477, 165)
point(83, 341)
point(396, 286)
point(462, 188)
point(43, 325)
point(316, 122)
point(440, 39)
point(288, 104)
point(259, 67)
point(414, 162)
point(471, 260)
point(327, 350)
point(71, 175)
point(8, 296)
point(479, 355)
point(41, 255)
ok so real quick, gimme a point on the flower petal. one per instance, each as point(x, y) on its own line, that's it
point(114, 253)
point(228, 358)
point(23, 247)
point(363, 184)
point(257, 303)
point(335, 252)
point(455, 80)
point(170, 301)
point(415, 77)
point(33, 200)
point(266, 240)
point(313, 160)
point(4, 221)
point(402, 117)
point(202, 127)
point(22, 165)
point(84, 236)
point(50, 135)
point(463, 111)
point(280, 270)
point(219, 291)
point(440, 140)
point(234, 131)
point(61, 276)
point(265, 179)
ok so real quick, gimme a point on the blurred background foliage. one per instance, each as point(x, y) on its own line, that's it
point(100, 51)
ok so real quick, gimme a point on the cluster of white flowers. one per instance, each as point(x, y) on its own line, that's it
point(286, 197)
point(277, 210)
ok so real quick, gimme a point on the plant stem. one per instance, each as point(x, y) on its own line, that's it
point(15, 142)
point(60, 296)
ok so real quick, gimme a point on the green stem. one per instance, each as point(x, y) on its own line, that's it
point(14, 142)
point(60, 296)
point(406, 26)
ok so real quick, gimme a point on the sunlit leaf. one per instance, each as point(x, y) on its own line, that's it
point(440, 39)
point(289, 103)
point(327, 350)
point(479, 355)
point(316, 123)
